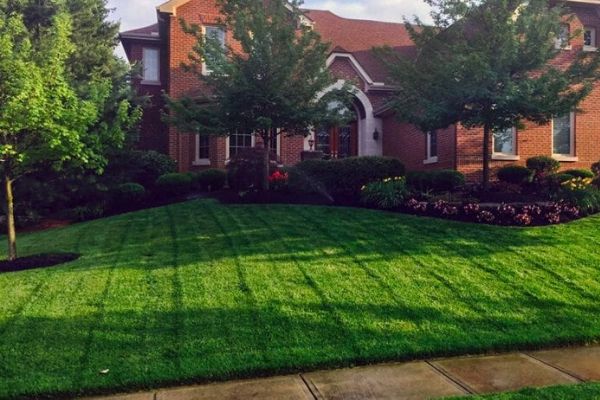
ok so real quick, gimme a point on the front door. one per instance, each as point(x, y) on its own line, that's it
point(338, 142)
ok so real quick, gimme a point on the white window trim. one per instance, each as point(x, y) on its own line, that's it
point(146, 81)
point(566, 157)
point(227, 152)
point(430, 159)
point(200, 162)
point(593, 47)
point(205, 70)
point(499, 156)
point(558, 43)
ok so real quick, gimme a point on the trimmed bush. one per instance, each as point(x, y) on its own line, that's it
point(143, 167)
point(514, 174)
point(436, 181)
point(580, 173)
point(588, 199)
point(128, 194)
point(210, 179)
point(174, 184)
point(543, 165)
point(344, 178)
point(387, 194)
point(244, 171)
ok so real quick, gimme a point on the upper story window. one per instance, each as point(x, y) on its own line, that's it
point(505, 143)
point(589, 39)
point(151, 64)
point(563, 38)
point(215, 33)
point(563, 135)
point(432, 148)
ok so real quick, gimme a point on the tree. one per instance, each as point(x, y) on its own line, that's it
point(95, 38)
point(43, 121)
point(268, 81)
point(488, 64)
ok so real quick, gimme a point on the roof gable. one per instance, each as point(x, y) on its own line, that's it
point(170, 7)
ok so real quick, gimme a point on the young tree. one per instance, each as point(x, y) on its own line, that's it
point(43, 122)
point(488, 64)
point(95, 38)
point(268, 82)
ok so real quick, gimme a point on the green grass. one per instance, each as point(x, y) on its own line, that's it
point(590, 391)
point(199, 291)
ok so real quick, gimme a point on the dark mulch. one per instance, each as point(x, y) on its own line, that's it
point(261, 197)
point(37, 261)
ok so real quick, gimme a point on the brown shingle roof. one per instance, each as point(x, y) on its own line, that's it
point(150, 31)
point(359, 37)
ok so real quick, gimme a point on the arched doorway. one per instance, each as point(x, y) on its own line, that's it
point(338, 141)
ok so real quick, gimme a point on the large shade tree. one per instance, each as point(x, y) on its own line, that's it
point(44, 122)
point(488, 64)
point(269, 80)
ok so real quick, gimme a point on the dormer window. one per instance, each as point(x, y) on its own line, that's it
point(151, 65)
point(589, 39)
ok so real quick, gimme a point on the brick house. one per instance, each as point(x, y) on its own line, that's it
point(162, 48)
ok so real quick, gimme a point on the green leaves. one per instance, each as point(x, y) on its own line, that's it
point(488, 63)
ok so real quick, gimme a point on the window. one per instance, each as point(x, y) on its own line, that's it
point(563, 135)
point(432, 147)
point(562, 41)
point(239, 141)
point(589, 39)
point(151, 65)
point(202, 150)
point(215, 33)
point(505, 143)
point(274, 144)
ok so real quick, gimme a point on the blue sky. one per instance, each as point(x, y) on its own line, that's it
point(138, 13)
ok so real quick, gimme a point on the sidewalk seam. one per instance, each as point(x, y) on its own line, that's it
point(559, 369)
point(314, 391)
point(440, 370)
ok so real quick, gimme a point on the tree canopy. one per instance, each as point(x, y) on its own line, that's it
point(488, 64)
point(270, 79)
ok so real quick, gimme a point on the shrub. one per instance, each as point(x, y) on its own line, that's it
point(278, 181)
point(387, 194)
point(346, 177)
point(245, 170)
point(580, 173)
point(596, 168)
point(436, 181)
point(514, 174)
point(86, 213)
point(543, 165)
point(143, 167)
point(210, 179)
point(587, 200)
point(174, 184)
point(127, 194)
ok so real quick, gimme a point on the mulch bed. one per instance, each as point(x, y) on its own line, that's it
point(37, 261)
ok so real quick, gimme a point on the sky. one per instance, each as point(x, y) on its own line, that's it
point(137, 13)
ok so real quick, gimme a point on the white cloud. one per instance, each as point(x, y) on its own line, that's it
point(137, 13)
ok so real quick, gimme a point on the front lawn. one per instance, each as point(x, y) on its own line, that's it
point(200, 291)
point(590, 391)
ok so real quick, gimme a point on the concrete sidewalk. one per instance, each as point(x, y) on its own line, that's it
point(415, 380)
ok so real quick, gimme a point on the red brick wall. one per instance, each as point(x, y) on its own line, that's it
point(153, 132)
point(409, 144)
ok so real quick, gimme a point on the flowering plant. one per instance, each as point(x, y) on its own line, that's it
point(578, 183)
point(279, 181)
point(387, 194)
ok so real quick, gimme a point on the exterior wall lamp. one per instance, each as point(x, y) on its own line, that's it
point(376, 135)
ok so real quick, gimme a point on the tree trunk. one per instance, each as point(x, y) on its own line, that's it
point(10, 219)
point(266, 160)
point(487, 133)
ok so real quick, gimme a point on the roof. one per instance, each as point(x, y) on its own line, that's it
point(358, 37)
point(148, 32)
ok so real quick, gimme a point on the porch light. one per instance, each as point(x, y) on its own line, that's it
point(376, 134)
point(311, 143)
